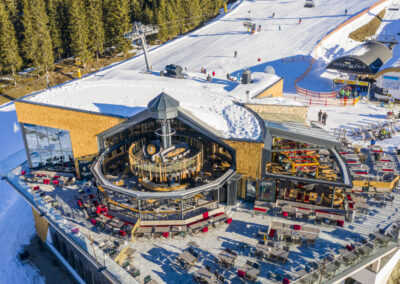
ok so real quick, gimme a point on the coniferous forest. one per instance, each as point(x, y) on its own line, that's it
point(37, 33)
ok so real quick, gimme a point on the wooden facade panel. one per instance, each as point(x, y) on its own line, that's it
point(41, 225)
point(83, 126)
point(273, 91)
point(248, 157)
point(280, 112)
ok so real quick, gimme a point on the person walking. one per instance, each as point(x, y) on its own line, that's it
point(319, 116)
point(228, 76)
point(279, 27)
point(235, 54)
point(213, 73)
point(373, 141)
point(259, 28)
point(273, 15)
point(299, 21)
point(345, 12)
point(324, 117)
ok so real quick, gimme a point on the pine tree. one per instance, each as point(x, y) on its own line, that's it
point(116, 23)
point(10, 61)
point(78, 30)
point(36, 46)
point(193, 13)
point(55, 26)
point(94, 15)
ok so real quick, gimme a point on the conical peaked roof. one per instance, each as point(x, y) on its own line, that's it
point(163, 102)
point(163, 107)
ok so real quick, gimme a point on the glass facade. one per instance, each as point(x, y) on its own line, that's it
point(49, 148)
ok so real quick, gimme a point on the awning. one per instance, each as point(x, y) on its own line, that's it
point(300, 132)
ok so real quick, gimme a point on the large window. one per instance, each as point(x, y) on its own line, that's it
point(49, 148)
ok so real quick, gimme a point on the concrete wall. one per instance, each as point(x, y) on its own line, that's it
point(83, 126)
point(274, 90)
point(285, 113)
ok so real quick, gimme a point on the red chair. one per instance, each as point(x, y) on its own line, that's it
point(122, 233)
point(93, 221)
point(340, 223)
point(297, 227)
point(284, 214)
point(285, 281)
point(205, 215)
point(307, 198)
point(165, 234)
point(23, 172)
point(241, 273)
point(56, 182)
point(75, 231)
point(80, 204)
point(272, 233)
point(205, 229)
point(229, 221)
point(46, 181)
point(36, 187)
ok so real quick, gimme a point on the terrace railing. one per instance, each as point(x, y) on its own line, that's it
point(10, 169)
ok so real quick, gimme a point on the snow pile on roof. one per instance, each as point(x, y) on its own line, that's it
point(126, 93)
point(275, 101)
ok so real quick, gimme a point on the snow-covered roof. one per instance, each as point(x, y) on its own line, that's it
point(128, 92)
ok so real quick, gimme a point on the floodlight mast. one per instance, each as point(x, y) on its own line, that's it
point(140, 31)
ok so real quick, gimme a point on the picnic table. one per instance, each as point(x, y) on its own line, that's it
point(260, 207)
point(181, 230)
point(251, 270)
point(195, 228)
point(365, 250)
point(206, 276)
point(187, 258)
point(350, 257)
point(226, 258)
point(218, 219)
point(160, 230)
point(145, 231)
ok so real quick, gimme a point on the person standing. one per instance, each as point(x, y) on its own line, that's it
point(345, 12)
point(279, 27)
point(341, 93)
point(299, 21)
point(228, 76)
point(235, 54)
point(319, 116)
point(273, 15)
point(324, 117)
point(213, 73)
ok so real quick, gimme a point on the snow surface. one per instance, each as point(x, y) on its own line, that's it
point(211, 47)
point(16, 220)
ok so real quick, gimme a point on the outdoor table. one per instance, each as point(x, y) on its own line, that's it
point(365, 250)
point(218, 219)
point(187, 257)
point(207, 276)
point(227, 258)
point(330, 268)
point(198, 226)
point(146, 231)
point(162, 229)
point(350, 257)
point(250, 271)
point(260, 207)
point(382, 239)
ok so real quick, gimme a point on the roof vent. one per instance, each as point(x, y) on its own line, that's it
point(163, 107)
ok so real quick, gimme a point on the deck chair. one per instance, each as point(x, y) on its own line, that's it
point(147, 279)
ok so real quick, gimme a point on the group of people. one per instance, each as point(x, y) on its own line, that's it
point(349, 92)
point(322, 116)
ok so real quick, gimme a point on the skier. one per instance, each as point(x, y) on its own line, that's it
point(324, 117)
point(319, 116)
point(279, 27)
point(273, 15)
point(299, 21)
point(213, 73)
point(202, 70)
point(259, 28)
point(235, 54)
point(205, 71)
point(228, 76)
point(238, 78)
point(345, 12)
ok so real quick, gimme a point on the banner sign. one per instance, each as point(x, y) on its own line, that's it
point(350, 82)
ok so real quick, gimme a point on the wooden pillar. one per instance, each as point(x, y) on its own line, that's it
point(41, 225)
point(140, 211)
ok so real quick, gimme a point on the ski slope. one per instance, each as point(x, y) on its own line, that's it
point(211, 47)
